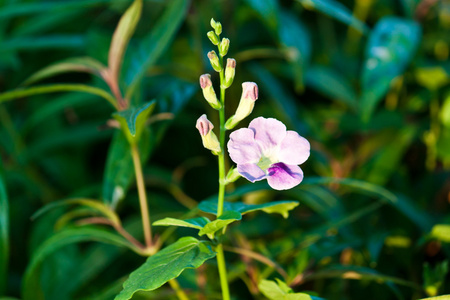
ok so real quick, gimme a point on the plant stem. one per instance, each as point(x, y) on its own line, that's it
point(178, 290)
point(142, 195)
point(219, 249)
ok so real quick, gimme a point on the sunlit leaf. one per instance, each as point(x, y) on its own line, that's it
point(390, 48)
point(432, 78)
point(280, 207)
point(155, 43)
point(337, 11)
point(77, 64)
point(121, 37)
point(197, 223)
point(445, 112)
point(225, 219)
point(4, 237)
point(443, 297)
point(167, 264)
point(31, 283)
point(56, 88)
point(280, 291)
point(441, 232)
point(132, 121)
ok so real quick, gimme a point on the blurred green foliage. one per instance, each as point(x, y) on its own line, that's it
point(366, 82)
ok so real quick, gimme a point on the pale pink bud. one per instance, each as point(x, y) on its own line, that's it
point(203, 125)
point(250, 90)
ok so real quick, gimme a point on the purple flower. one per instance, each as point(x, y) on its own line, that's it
point(267, 150)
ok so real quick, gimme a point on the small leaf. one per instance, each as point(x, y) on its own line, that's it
point(56, 88)
point(226, 218)
point(441, 232)
point(337, 11)
point(197, 223)
point(389, 50)
point(132, 121)
point(122, 36)
point(281, 207)
point(4, 237)
point(432, 78)
point(280, 291)
point(77, 64)
point(167, 264)
point(445, 112)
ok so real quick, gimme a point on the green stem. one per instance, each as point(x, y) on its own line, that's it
point(219, 249)
point(178, 290)
point(142, 195)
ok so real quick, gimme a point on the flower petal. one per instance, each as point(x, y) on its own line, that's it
point(242, 147)
point(268, 133)
point(294, 149)
point(284, 177)
point(251, 171)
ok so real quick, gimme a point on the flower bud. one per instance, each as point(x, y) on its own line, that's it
point(216, 26)
point(213, 37)
point(209, 139)
point(232, 175)
point(214, 60)
point(208, 91)
point(223, 47)
point(230, 70)
point(245, 107)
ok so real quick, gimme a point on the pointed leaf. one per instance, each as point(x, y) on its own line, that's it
point(226, 218)
point(390, 48)
point(197, 223)
point(56, 88)
point(76, 64)
point(132, 120)
point(337, 11)
point(31, 283)
point(4, 237)
point(280, 291)
point(154, 45)
point(281, 207)
point(167, 264)
point(121, 37)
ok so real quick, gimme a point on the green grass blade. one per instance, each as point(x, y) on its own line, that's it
point(4, 237)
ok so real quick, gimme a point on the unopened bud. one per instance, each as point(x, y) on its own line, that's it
point(230, 70)
point(246, 104)
point(223, 47)
point(213, 37)
point(216, 26)
point(209, 139)
point(214, 60)
point(232, 175)
point(208, 91)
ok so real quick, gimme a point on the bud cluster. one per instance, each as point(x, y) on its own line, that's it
point(227, 74)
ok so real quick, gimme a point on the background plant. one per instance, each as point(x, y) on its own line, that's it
point(372, 100)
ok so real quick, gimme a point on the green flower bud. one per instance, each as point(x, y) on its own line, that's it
point(209, 139)
point(230, 70)
point(223, 47)
point(232, 175)
point(245, 107)
point(208, 91)
point(213, 37)
point(214, 60)
point(216, 26)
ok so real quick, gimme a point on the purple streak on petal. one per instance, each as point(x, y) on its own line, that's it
point(251, 171)
point(284, 177)
point(268, 133)
point(294, 149)
point(242, 147)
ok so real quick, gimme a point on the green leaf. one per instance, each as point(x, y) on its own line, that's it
point(337, 11)
point(43, 42)
point(268, 9)
point(296, 39)
point(167, 264)
point(390, 48)
point(226, 218)
point(132, 121)
point(122, 36)
point(197, 223)
point(31, 283)
point(443, 297)
point(280, 291)
point(445, 112)
point(94, 204)
point(441, 232)
point(432, 78)
point(4, 237)
point(56, 88)
point(76, 64)
point(154, 45)
point(280, 207)
point(119, 171)
point(327, 81)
